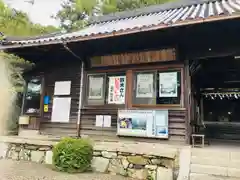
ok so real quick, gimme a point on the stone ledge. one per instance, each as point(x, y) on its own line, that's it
point(138, 148)
point(19, 140)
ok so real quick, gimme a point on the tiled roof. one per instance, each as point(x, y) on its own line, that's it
point(157, 17)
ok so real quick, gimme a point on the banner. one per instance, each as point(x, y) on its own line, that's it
point(95, 87)
point(144, 86)
point(116, 91)
point(168, 84)
point(143, 123)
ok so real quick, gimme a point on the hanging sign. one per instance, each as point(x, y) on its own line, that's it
point(168, 84)
point(144, 86)
point(95, 87)
point(116, 91)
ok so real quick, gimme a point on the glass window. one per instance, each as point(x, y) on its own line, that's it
point(33, 96)
point(157, 87)
point(106, 89)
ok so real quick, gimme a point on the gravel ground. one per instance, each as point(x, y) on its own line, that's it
point(16, 170)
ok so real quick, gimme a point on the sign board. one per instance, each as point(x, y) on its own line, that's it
point(143, 123)
point(62, 88)
point(61, 109)
point(116, 90)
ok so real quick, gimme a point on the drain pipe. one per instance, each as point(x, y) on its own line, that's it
point(81, 89)
point(80, 101)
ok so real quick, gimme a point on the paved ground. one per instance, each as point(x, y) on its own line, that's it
point(15, 170)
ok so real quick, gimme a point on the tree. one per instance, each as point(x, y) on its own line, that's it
point(17, 23)
point(75, 14)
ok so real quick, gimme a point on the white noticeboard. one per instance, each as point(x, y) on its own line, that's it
point(62, 88)
point(61, 109)
point(143, 123)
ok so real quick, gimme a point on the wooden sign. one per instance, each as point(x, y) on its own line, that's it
point(162, 55)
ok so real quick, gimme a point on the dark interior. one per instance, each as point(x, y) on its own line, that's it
point(216, 82)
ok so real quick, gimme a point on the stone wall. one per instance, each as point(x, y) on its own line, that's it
point(139, 166)
point(140, 161)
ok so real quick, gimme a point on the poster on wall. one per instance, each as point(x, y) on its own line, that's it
point(116, 91)
point(62, 88)
point(61, 109)
point(168, 84)
point(143, 123)
point(95, 87)
point(144, 86)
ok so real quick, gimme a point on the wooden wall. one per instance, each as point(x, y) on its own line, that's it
point(177, 128)
point(70, 72)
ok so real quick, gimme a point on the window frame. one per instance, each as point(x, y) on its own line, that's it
point(23, 109)
point(106, 74)
point(159, 70)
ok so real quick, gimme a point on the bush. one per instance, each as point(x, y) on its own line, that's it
point(73, 155)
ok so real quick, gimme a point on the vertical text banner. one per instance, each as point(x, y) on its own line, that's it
point(116, 91)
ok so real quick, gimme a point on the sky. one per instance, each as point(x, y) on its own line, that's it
point(40, 12)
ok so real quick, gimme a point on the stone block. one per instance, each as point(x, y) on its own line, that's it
point(152, 175)
point(211, 170)
point(164, 174)
point(138, 160)
point(195, 176)
point(48, 157)
point(97, 153)
point(3, 150)
point(125, 163)
point(109, 155)
point(140, 174)
point(100, 164)
point(25, 155)
point(184, 164)
point(234, 172)
point(151, 167)
point(38, 156)
point(116, 166)
point(45, 148)
point(13, 155)
point(165, 162)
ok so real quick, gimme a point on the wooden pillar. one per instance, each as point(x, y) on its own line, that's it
point(129, 90)
point(187, 100)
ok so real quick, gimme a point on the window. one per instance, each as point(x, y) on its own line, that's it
point(32, 101)
point(157, 88)
point(106, 89)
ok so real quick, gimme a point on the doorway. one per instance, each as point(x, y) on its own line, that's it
point(216, 95)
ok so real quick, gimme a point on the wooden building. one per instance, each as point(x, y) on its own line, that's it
point(166, 43)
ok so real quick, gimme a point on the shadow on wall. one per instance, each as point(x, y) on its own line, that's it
point(7, 96)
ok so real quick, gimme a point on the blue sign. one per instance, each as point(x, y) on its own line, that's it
point(46, 100)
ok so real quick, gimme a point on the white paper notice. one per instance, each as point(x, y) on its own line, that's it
point(107, 121)
point(61, 109)
point(62, 88)
point(168, 84)
point(144, 86)
point(99, 121)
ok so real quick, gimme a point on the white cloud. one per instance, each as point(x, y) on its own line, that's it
point(40, 12)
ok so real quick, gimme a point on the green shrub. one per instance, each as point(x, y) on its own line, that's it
point(73, 155)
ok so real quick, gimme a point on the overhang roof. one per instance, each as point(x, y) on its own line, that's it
point(151, 18)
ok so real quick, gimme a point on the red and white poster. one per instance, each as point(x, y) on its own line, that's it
point(116, 91)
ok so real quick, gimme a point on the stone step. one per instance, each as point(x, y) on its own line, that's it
point(196, 176)
point(216, 162)
point(216, 154)
point(215, 170)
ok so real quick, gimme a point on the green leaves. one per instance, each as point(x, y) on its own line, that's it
point(73, 155)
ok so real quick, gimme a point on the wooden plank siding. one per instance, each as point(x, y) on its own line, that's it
point(177, 128)
point(69, 73)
